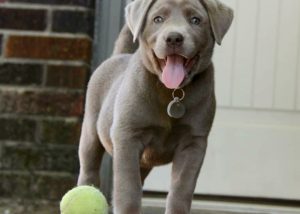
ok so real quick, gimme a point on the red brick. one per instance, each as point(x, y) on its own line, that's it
point(17, 129)
point(35, 185)
point(53, 186)
point(67, 76)
point(42, 103)
point(29, 205)
point(73, 22)
point(20, 74)
point(60, 132)
point(20, 19)
point(12, 183)
point(39, 157)
point(48, 48)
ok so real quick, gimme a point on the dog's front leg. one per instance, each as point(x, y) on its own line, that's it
point(127, 191)
point(186, 167)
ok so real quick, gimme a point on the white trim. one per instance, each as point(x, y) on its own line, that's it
point(257, 109)
point(227, 206)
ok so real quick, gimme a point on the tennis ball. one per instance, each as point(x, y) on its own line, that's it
point(83, 200)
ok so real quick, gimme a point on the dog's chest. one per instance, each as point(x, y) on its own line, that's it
point(163, 144)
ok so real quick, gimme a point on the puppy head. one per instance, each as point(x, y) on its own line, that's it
point(177, 36)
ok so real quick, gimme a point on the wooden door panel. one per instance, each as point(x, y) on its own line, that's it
point(264, 75)
point(250, 154)
point(288, 52)
point(245, 50)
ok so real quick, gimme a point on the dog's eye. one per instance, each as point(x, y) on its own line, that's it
point(158, 19)
point(195, 20)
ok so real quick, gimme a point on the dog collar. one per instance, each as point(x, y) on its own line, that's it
point(176, 109)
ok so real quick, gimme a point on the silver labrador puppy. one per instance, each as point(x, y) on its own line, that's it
point(129, 94)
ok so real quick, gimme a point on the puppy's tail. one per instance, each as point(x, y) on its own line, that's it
point(124, 43)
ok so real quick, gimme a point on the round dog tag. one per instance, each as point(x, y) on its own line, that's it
point(176, 109)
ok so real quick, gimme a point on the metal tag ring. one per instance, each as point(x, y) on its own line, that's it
point(182, 91)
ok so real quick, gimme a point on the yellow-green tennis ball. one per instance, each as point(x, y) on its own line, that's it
point(84, 200)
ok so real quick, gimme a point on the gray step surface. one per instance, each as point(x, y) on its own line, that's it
point(151, 210)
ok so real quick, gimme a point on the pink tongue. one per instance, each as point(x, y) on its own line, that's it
point(174, 72)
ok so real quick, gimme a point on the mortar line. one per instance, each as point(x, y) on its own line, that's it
point(38, 89)
point(43, 61)
point(44, 34)
point(49, 20)
point(44, 75)
point(43, 7)
point(67, 119)
point(38, 172)
point(4, 42)
point(38, 131)
point(2, 47)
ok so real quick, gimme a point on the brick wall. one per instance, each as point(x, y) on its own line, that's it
point(45, 51)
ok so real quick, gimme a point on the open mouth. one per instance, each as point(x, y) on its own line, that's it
point(175, 68)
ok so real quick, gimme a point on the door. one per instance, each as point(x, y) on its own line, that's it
point(254, 147)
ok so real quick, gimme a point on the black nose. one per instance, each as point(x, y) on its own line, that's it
point(174, 39)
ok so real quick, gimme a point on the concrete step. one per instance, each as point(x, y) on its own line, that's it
point(152, 210)
point(152, 206)
point(157, 206)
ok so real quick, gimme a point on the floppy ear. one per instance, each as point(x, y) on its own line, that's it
point(136, 13)
point(220, 17)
